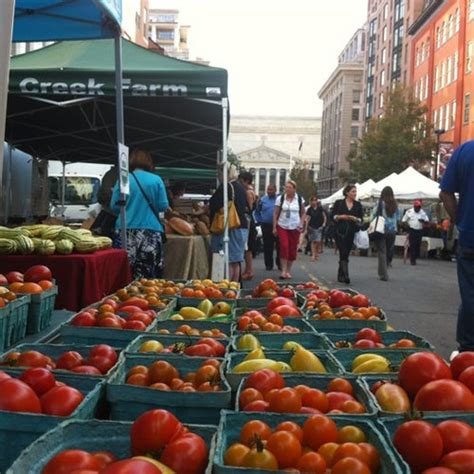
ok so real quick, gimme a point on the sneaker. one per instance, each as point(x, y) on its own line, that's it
point(453, 355)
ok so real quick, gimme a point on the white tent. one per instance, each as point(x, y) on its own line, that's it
point(387, 181)
point(364, 191)
point(410, 184)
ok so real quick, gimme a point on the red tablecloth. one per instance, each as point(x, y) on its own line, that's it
point(82, 278)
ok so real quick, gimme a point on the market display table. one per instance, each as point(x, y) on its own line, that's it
point(82, 279)
point(427, 243)
point(187, 257)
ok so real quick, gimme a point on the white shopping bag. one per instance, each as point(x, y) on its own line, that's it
point(361, 239)
point(218, 262)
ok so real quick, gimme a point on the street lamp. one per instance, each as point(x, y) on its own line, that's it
point(331, 168)
point(438, 132)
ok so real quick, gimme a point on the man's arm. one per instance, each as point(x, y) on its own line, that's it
point(450, 204)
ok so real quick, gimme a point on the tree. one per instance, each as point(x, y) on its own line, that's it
point(233, 159)
point(401, 138)
point(303, 176)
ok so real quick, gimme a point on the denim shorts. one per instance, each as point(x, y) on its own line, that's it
point(237, 243)
point(315, 235)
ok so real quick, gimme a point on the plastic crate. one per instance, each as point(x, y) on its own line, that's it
point(91, 336)
point(231, 424)
point(41, 310)
point(275, 340)
point(4, 320)
point(91, 436)
point(298, 323)
point(335, 326)
point(189, 301)
point(250, 303)
point(332, 365)
point(167, 340)
point(201, 325)
point(56, 350)
point(18, 320)
point(321, 383)
point(19, 430)
point(127, 402)
point(388, 337)
point(263, 309)
point(395, 356)
point(389, 425)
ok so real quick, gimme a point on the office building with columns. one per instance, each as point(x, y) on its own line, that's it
point(270, 146)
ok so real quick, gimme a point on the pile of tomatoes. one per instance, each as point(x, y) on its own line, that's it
point(100, 359)
point(316, 446)
point(162, 375)
point(269, 288)
point(368, 338)
point(204, 347)
point(325, 311)
point(133, 313)
point(159, 443)
point(38, 391)
point(202, 292)
point(447, 448)
point(187, 330)
point(266, 390)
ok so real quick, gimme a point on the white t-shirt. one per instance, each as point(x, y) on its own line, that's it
point(412, 218)
point(290, 217)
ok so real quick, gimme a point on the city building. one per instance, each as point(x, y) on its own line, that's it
point(135, 21)
point(21, 48)
point(165, 30)
point(443, 69)
point(270, 146)
point(388, 49)
point(343, 114)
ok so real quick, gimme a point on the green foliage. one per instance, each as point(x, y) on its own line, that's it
point(401, 138)
point(303, 175)
point(233, 159)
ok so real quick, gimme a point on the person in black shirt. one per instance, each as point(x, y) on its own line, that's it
point(315, 222)
point(347, 214)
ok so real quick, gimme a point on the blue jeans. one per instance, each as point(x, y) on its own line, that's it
point(465, 327)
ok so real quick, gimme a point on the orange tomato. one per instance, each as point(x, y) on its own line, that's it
point(15, 287)
point(235, 454)
point(187, 292)
point(340, 385)
point(312, 462)
point(327, 451)
point(374, 311)
point(254, 429)
point(30, 288)
point(291, 427)
point(286, 447)
point(46, 284)
point(350, 465)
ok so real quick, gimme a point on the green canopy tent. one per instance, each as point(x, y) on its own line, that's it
point(61, 106)
point(199, 181)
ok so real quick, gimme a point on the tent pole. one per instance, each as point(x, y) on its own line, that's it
point(120, 127)
point(8, 185)
point(63, 188)
point(225, 164)
point(7, 12)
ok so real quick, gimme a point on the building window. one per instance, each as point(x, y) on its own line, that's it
point(470, 13)
point(385, 11)
point(457, 20)
point(450, 26)
point(447, 116)
point(455, 66)
point(381, 100)
point(443, 32)
point(262, 176)
point(395, 62)
point(443, 75)
point(417, 57)
point(384, 34)
point(166, 18)
point(435, 118)
point(467, 108)
point(438, 37)
point(452, 119)
point(383, 56)
point(436, 81)
point(382, 78)
point(355, 115)
point(469, 51)
point(354, 132)
point(449, 73)
point(427, 81)
point(441, 117)
point(166, 35)
point(356, 97)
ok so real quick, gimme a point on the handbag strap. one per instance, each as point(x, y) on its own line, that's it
point(150, 204)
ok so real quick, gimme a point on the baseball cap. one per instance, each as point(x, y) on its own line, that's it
point(417, 203)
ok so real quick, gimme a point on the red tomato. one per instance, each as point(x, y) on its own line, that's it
point(69, 360)
point(243, 322)
point(188, 453)
point(39, 379)
point(467, 378)
point(265, 380)
point(105, 457)
point(71, 460)
point(338, 299)
point(279, 301)
point(113, 322)
point(286, 447)
point(368, 333)
point(14, 277)
point(287, 293)
point(321, 294)
point(249, 395)
point(419, 443)
point(130, 309)
point(135, 301)
point(444, 395)
point(102, 363)
point(153, 430)
point(4, 376)
point(337, 399)
point(360, 301)
point(219, 348)
point(285, 400)
point(291, 427)
point(3, 280)
point(32, 359)
point(104, 350)
point(257, 405)
point(86, 369)
point(142, 317)
point(287, 311)
point(461, 461)
point(15, 395)
point(309, 411)
point(364, 344)
point(462, 361)
point(253, 429)
point(318, 430)
point(456, 435)
point(420, 368)
point(131, 466)
point(311, 462)
point(135, 325)
point(84, 318)
point(350, 465)
point(200, 350)
point(37, 273)
point(61, 401)
point(438, 470)
point(315, 398)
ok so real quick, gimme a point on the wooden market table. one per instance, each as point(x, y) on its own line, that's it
point(82, 279)
point(187, 257)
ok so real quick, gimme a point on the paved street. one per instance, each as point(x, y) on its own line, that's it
point(422, 298)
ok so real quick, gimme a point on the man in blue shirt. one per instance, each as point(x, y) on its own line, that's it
point(459, 178)
point(263, 215)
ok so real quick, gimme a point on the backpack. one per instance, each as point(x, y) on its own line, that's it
point(282, 200)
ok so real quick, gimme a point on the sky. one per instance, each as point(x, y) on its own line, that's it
point(278, 53)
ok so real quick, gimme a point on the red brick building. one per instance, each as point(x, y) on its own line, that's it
point(442, 67)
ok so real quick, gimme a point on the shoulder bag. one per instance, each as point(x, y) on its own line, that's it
point(376, 228)
point(233, 220)
point(150, 204)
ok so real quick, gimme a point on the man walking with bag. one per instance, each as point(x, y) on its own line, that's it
point(415, 218)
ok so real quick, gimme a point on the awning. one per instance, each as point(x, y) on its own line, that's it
point(187, 174)
point(61, 104)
